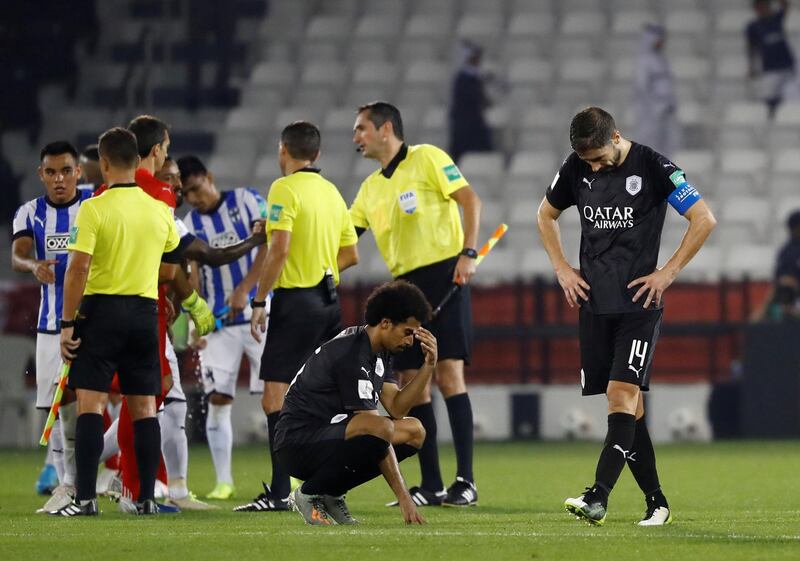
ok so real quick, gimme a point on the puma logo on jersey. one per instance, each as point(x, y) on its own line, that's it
point(589, 183)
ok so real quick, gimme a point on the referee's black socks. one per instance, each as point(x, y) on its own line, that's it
point(429, 453)
point(280, 486)
point(147, 445)
point(642, 462)
point(459, 409)
point(88, 447)
point(616, 450)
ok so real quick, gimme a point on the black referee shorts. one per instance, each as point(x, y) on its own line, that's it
point(617, 347)
point(119, 334)
point(453, 327)
point(300, 320)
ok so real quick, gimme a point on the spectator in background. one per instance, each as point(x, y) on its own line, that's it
point(769, 53)
point(654, 96)
point(782, 296)
point(90, 165)
point(214, 18)
point(468, 129)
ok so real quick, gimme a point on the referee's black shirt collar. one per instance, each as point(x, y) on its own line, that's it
point(388, 171)
point(309, 169)
point(70, 202)
point(115, 185)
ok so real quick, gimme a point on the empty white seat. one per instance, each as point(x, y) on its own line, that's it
point(685, 22)
point(530, 71)
point(731, 67)
point(705, 266)
point(376, 26)
point(340, 119)
point(755, 261)
point(480, 26)
point(323, 74)
point(583, 23)
point(582, 70)
point(426, 72)
point(500, 266)
point(748, 113)
point(750, 211)
point(535, 263)
point(427, 26)
point(733, 20)
point(630, 22)
point(531, 25)
point(250, 118)
point(690, 68)
point(329, 27)
point(483, 168)
point(382, 73)
point(787, 161)
point(532, 163)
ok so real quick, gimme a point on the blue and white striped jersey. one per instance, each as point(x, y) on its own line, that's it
point(231, 222)
point(49, 225)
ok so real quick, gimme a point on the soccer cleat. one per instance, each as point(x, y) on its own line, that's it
point(311, 508)
point(78, 508)
point(222, 492)
point(587, 507)
point(337, 508)
point(190, 502)
point(47, 481)
point(461, 493)
point(423, 497)
point(658, 513)
point(62, 496)
point(264, 502)
point(147, 507)
point(104, 480)
point(114, 489)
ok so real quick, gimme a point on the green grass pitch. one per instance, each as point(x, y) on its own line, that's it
point(731, 501)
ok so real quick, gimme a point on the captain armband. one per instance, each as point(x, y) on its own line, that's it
point(683, 197)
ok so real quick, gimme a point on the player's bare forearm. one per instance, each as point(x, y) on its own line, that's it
point(251, 278)
point(409, 396)
point(200, 251)
point(75, 283)
point(166, 272)
point(347, 257)
point(21, 259)
point(391, 473)
point(701, 224)
point(181, 286)
point(550, 234)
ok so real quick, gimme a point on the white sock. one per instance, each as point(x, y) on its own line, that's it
point(55, 450)
point(219, 433)
point(69, 419)
point(175, 447)
point(110, 444)
point(113, 410)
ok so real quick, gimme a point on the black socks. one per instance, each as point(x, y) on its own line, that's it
point(147, 444)
point(616, 451)
point(280, 477)
point(429, 453)
point(88, 447)
point(459, 409)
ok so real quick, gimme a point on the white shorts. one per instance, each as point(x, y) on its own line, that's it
point(777, 84)
point(221, 358)
point(176, 393)
point(48, 368)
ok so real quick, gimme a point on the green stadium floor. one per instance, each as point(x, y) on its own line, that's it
point(731, 501)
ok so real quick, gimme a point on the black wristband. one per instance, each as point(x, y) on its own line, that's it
point(469, 252)
point(67, 323)
point(256, 304)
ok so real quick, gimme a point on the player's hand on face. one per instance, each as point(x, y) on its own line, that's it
point(653, 285)
point(409, 511)
point(465, 268)
point(429, 345)
point(43, 273)
point(237, 302)
point(258, 323)
point(574, 285)
point(69, 346)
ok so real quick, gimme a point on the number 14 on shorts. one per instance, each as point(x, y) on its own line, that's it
point(637, 355)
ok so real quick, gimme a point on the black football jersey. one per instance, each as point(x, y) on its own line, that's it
point(622, 214)
point(342, 376)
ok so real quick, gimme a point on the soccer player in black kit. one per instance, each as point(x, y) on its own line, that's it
point(621, 189)
point(329, 433)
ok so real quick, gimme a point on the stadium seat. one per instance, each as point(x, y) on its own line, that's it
point(527, 164)
point(685, 22)
point(255, 119)
point(375, 73)
point(535, 263)
point(751, 212)
point(531, 25)
point(483, 28)
point(705, 266)
point(754, 261)
point(583, 23)
point(630, 22)
point(377, 27)
point(733, 20)
point(427, 26)
point(483, 168)
point(329, 27)
point(280, 74)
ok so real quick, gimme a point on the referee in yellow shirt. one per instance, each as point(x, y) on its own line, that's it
point(117, 246)
point(412, 206)
point(311, 239)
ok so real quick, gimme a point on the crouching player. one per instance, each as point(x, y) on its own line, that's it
point(329, 433)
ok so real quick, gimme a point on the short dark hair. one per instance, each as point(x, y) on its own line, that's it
point(191, 165)
point(397, 301)
point(57, 148)
point(302, 140)
point(590, 129)
point(149, 131)
point(91, 153)
point(119, 146)
point(382, 111)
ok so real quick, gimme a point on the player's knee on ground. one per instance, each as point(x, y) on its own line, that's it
point(220, 399)
point(371, 425)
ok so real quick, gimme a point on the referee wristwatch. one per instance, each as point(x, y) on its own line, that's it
point(67, 323)
point(469, 252)
point(256, 304)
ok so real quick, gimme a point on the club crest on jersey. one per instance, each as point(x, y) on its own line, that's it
point(408, 201)
point(234, 214)
point(379, 368)
point(633, 184)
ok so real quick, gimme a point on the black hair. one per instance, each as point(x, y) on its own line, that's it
point(91, 153)
point(119, 146)
point(191, 165)
point(302, 140)
point(57, 148)
point(397, 301)
point(591, 129)
point(382, 111)
point(149, 131)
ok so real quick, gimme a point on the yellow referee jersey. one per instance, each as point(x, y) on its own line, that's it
point(409, 209)
point(312, 209)
point(126, 231)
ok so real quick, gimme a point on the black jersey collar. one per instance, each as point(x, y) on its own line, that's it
point(70, 202)
point(309, 169)
point(389, 170)
point(115, 185)
point(218, 204)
